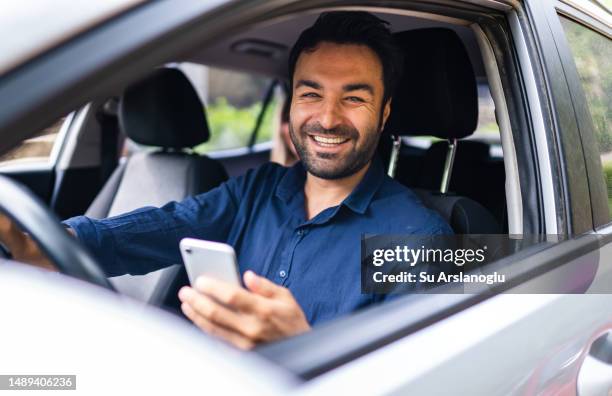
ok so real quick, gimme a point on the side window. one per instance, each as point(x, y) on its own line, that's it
point(233, 103)
point(593, 56)
point(35, 150)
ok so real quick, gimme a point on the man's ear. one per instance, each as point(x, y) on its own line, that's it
point(385, 113)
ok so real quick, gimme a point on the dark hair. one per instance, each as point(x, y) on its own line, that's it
point(353, 27)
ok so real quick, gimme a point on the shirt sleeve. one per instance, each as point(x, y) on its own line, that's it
point(147, 239)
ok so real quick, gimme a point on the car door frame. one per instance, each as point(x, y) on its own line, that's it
point(597, 186)
point(561, 122)
point(547, 96)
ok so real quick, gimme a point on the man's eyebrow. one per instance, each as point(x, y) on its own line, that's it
point(308, 83)
point(358, 87)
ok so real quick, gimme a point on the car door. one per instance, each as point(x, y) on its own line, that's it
point(545, 332)
point(584, 40)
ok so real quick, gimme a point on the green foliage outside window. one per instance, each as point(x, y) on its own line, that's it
point(593, 57)
point(231, 127)
point(608, 176)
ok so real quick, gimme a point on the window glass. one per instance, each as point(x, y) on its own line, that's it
point(36, 149)
point(233, 102)
point(593, 56)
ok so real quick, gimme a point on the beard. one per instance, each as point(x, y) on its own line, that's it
point(333, 166)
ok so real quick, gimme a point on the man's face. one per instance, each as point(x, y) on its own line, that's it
point(335, 117)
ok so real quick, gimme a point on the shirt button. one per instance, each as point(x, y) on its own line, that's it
point(300, 232)
point(282, 274)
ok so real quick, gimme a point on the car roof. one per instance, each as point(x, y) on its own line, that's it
point(264, 48)
point(37, 26)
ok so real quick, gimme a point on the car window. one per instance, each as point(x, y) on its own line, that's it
point(593, 57)
point(233, 103)
point(36, 149)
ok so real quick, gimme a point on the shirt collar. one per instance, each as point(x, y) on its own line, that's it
point(358, 200)
point(292, 182)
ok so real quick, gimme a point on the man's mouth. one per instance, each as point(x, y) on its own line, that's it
point(328, 141)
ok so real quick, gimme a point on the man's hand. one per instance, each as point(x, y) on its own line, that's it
point(265, 312)
point(22, 247)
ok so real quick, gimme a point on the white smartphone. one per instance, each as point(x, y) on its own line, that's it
point(214, 259)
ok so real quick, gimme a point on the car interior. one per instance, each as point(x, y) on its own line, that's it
point(136, 148)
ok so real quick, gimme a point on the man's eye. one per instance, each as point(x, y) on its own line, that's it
point(309, 95)
point(355, 99)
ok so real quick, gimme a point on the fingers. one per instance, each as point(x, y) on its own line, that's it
point(247, 324)
point(9, 233)
point(228, 294)
point(245, 315)
point(209, 309)
point(262, 286)
point(215, 330)
point(4, 224)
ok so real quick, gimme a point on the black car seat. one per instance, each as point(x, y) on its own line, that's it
point(163, 112)
point(473, 164)
point(437, 96)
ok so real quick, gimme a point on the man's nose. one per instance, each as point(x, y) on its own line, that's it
point(331, 114)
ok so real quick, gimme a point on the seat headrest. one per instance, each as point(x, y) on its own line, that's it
point(437, 95)
point(163, 110)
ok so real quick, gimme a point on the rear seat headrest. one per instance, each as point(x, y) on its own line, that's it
point(163, 110)
point(437, 95)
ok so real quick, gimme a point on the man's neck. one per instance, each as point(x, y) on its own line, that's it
point(320, 194)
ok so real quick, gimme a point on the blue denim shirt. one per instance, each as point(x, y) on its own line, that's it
point(262, 215)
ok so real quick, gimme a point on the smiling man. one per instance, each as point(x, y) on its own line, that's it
point(296, 231)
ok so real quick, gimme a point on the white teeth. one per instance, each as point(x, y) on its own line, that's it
point(329, 140)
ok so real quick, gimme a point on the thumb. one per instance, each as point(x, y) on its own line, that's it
point(260, 285)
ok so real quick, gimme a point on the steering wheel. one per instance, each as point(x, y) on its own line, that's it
point(32, 216)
